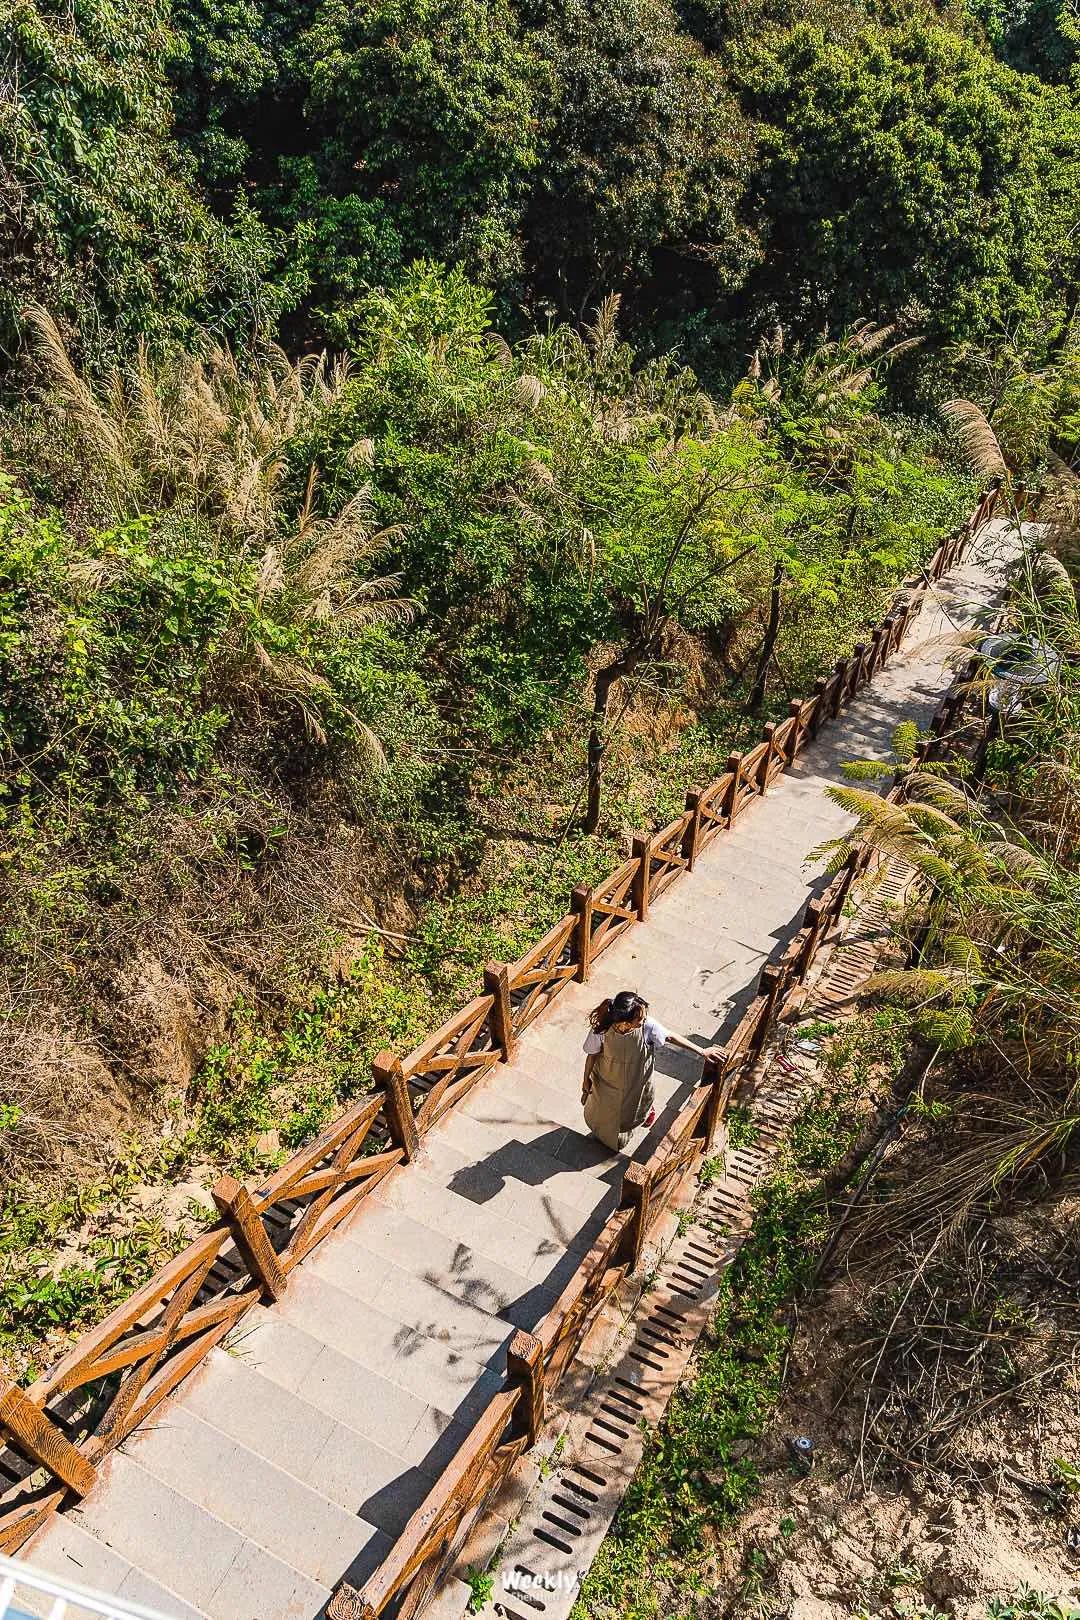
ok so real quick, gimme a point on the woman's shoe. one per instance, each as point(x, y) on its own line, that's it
point(651, 1119)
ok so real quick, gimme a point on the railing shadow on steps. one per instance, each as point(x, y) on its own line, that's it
point(55, 1434)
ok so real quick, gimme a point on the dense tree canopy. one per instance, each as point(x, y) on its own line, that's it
point(905, 167)
point(99, 212)
point(717, 167)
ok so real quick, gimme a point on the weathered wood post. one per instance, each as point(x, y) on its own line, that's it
point(767, 734)
point(235, 1205)
point(692, 835)
point(814, 925)
point(840, 675)
point(851, 870)
point(715, 1073)
point(501, 1016)
point(397, 1103)
point(795, 711)
point(820, 688)
point(636, 1196)
point(731, 801)
point(581, 904)
point(876, 658)
point(37, 1435)
point(771, 985)
point(641, 851)
point(525, 1367)
point(349, 1604)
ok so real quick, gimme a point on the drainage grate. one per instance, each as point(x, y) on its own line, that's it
point(571, 1512)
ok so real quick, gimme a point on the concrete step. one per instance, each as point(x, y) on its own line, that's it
point(190, 1551)
point(497, 1119)
point(493, 1186)
point(557, 1239)
point(436, 1375)
point(337, 1385)
point(446, 1263)
point(552, 1055)
point(501, 1240)
point(531, 1092)
point(263, 1503)
point(286, 1430)
point(554, 1099)
point(579, 1148)
point(70, 1553)
point(549, 1114)
point(526, 1163)
point(462, 1330)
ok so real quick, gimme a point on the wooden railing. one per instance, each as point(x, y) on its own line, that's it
point(57, 1432)
point(505, 1429)
point(537, 1362)
point(54, 1435)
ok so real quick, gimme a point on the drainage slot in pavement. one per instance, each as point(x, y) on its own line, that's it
point(553, 1541)
point(599, 1440)
point(611, 1428)
point(563, 1524)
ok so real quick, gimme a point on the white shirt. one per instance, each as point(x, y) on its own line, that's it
point(655, 1035)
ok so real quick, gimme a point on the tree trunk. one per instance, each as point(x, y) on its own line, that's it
point(768, 646)
point(603, 685)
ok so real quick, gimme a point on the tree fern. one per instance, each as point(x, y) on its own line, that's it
point(948, 1028)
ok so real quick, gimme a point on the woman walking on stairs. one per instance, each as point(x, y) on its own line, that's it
point(617, 1093)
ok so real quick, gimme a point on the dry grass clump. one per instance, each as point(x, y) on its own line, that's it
point(951, 1330)
point(58, 1106)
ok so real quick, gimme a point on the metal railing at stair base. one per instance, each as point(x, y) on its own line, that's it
point(27, 1593)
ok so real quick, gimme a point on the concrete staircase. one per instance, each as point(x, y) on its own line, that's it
point(296, 1453)
point(294, 1456)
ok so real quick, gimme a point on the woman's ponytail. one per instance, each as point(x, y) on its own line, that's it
point(620, 1009)
point(600, 1017)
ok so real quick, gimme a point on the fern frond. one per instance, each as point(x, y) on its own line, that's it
point(905, 740)
point(866, 770)
point(963, 954)
point(950, 1028)
point(914, 986)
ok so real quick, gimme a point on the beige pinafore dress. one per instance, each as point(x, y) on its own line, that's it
point(622, 1088)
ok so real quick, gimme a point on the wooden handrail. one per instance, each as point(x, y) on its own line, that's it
point(149, 1343)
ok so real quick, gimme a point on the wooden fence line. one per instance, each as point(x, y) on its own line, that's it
point(54, 1435)
point(419, 1559)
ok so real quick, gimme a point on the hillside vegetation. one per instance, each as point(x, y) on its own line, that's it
point(907, 1293)
point(431, 438)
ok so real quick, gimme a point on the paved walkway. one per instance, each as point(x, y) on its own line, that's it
point(294, 1456)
